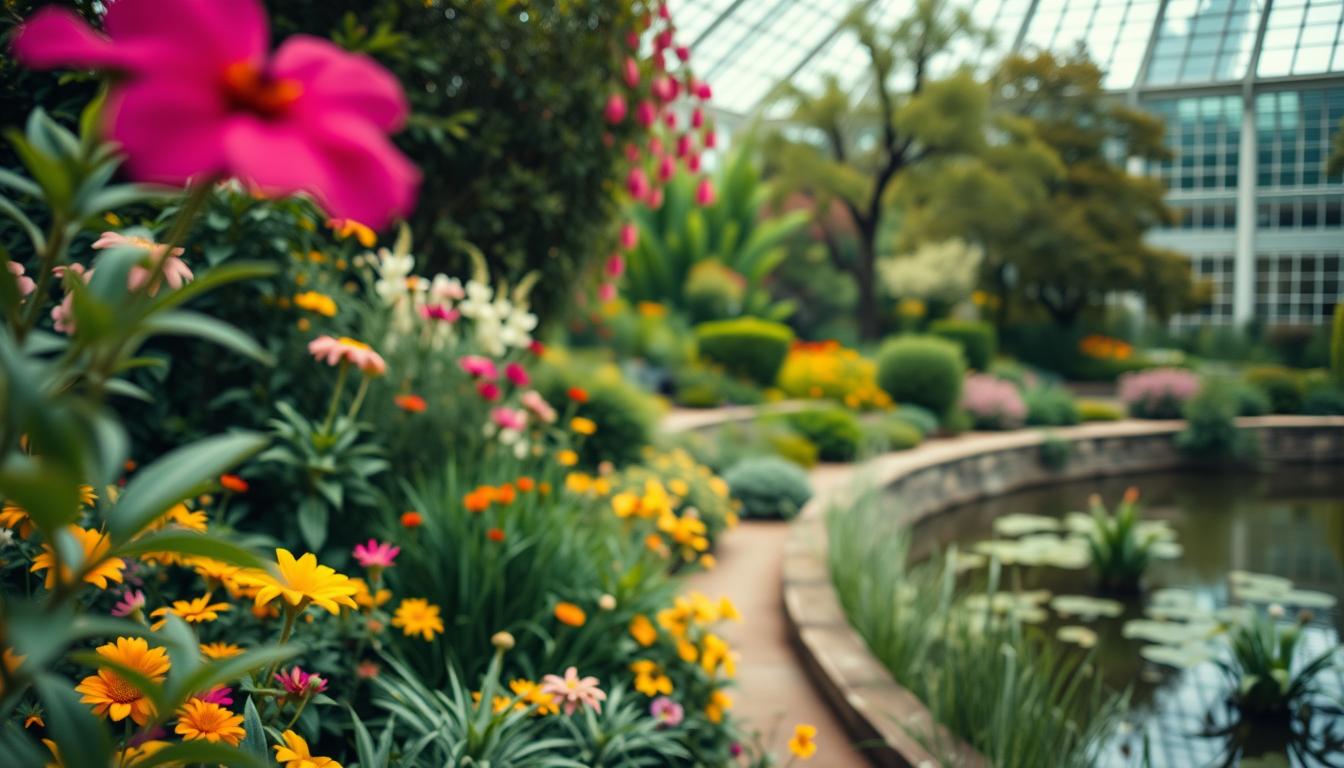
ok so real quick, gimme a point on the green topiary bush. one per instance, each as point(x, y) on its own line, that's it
point(1211, 423)
point(923, 370)
point(835, 432)
point(795, 448)
point(714, 292)
point(1251, 400)
point(919, 417)
point(768, 487)
point(1280, 384)
point(979, 342)
point(1051, 406)
point(892, 434)
point(747, 346)
point(1099, 410)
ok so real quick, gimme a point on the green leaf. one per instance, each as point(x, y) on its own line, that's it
point(81, 738)
point(19, 184)
point(185, 323)
point(191, 543)
point(231, 670)
point(46, 170)
point(212, 279)
point(203, 752)
point(124, 388)
point(48, 490)
point(111, 198)
point(8, 208)
point(312, 518)
point(178, 475)
point(254, 743)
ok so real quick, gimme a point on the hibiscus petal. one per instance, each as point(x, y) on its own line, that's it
point(201, 36)
point(57, 37)
point(335, 79)
point(171, 129)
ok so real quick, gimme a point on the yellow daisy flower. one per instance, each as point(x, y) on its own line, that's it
point(416, 616)
point(110, 694)
point(95, 545)
point(195, 611)
point(294, 754)
point(301, 583)
point(220, 650)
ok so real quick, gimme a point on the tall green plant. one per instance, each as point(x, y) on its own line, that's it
point(1337, 345)
point(734, 231)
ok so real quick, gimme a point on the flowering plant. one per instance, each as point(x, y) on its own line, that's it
point(1157, 393)
point(827, 369)
point(993, 403)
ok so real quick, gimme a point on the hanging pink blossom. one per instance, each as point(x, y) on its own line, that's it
point(683, 145)
point(25, 283)
point(632, 153)
point(683, 53)
point(646, 114)
point(665, 88)
point(704, 92)
point(711, 139)
point(704, 192)
point(655, 198)
point(693, 162)
point(200, 95)
point(632, 40)
point(667, 167)
point(606, 292)
point(615, 266)
point(517, 375)
point(631, 72)
point(479, 367)
point(697, 118)
point(637, 182)
point(670, 120)
point(629, 236)
point(616, 109)
point(537, 405)
point(655, 146)
point(488, 390)
point(663, 12)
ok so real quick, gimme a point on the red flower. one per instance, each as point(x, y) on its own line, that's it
point(233, 483)
point(495, 534)
point(578, 394)
point(411, 519)
point(410, 403)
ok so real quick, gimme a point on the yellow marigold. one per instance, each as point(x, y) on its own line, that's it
point(198, 610)
point(213, 571)
point(583, 426)
point(642, 630)
point(302, 582)
point(579, 482)
point(294, 753)
point(318, 303)
point(719, 704)
point(649, 678)
point(417, 616)
point(803, 744)
point(530, 695)
point(571, 614)
point(98, 568)
point(567, 458)
point(679, 487)
point(369, 600)
point(110, 694)
point(221, 650)
point(208, 721)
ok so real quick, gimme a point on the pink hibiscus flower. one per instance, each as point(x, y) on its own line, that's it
point(573, 691)
point(517, 374)
point(200, 95)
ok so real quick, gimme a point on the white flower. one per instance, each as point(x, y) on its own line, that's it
point(445, 289)
point(6, 537)
point(517, 329)
point(477, 302)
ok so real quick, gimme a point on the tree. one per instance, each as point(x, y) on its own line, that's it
point(1061, 219)
point(854, 152)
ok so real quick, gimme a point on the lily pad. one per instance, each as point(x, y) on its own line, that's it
point(1080, 636)
point(1179, 656)
point(1305, 598)
point(1166, 550)
point(1085, 607)
point(1020, 524)
point(1258, 581)
point(1079, 522)
point(1169, 632)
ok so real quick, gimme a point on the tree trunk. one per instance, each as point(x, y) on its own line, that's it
point(869, 327)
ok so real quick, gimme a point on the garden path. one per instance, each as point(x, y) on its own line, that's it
point(773, 690)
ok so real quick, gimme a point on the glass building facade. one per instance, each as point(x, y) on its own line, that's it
point(1252, 92)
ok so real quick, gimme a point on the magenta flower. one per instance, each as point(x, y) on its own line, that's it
point(488, 390)
point(218, 695)
point(615, 109)
point(175, 271)
point(25, 283)
point(693, 162)
point(615, 266)
point(516, 374)
point(439, 312)
point(537, 405)
point(697, 118)
point(606, 292)
point(479, 367)
point(683, 145)
point(631, 72)
point(646, 114)
point(199, 95)
point(704, 193)
point(296, 682)
point(629, 236)
point(132, 600)
point(375, 554)
point(509, 418)
point(666, 168)
point(637, 182)
point(572, 691)
point(667, 712)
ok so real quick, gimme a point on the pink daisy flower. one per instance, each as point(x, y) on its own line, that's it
point(334, 351)
point(667, 712)
point(175, 271)
point(573, 691)
point(479, 367)
point(132, 600)
point(296, 682)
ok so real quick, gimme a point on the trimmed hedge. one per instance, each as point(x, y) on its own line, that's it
point(924, 370)
point(768, 487)
point(747, 346)
point(835, 432)
point(1051, 406)
point(979, 341)
point(920, 418)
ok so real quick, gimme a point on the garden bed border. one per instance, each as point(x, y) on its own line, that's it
point(881, 715)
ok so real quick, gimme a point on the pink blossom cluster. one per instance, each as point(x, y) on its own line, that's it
point(1158, 392)
point(992, 402)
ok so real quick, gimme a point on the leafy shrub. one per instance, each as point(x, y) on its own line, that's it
point(1055, 452)
point(978, 341)
point(713, 292)
point(1326, 401)
point(924, 370)
point(1211, 429)
point(699, 386)
point(835, 432)
point(1021, 374)
point(1051, 406)
point(625, 415)
point(918, 417)
point(1122, 544)
point(1251, 401)
point(825, 369)
point(1158, 393)
point(892, 434)
point(769, 487)
point(1282, 386)
point(795, 448)
point(957, 421)
point(1098, 410)
point(747, 346)
point(992, 403)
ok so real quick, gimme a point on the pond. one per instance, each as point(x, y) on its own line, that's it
point(1288, 522)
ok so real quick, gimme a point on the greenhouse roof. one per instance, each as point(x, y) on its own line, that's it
point(745, 47)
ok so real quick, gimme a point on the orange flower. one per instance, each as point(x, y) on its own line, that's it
point(98, 568)
point(571, 614)
point(525, 484)
point(410, 403)
point(495, 534)
point(411, 519)
point(643, 630)
point(578, 394)
point(110, 694)
point(479, 499)
point(233, 483)
point(505, 495)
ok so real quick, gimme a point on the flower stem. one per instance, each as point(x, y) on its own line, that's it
point(291, 614)
point(336, 397)
point(359, 397)
point(196, 197)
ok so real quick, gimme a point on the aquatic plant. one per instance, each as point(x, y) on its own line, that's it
point(1122, 545)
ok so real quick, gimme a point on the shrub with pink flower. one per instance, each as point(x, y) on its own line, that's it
point(1157, 393)
point(993, 403)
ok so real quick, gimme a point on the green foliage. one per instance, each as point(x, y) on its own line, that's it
point(1324, 401)
point(769, 487)
point(1055, 452)
point(1051, 406)
point(976, 674)
point(699, 386)
point(835, 432)
point(1099, 410)
point(733, 233)
point(625, 415)
point(1211, 423)
point(795, 448)
point(1265, 675)
point(892, 434)
point(1251, 400)
point(978, 341)
point(1122, 545)
point(919, 417)
point(1281, 385)
point(747, 346)
point(713, 292)
point(1337, 345)
point(923, 370)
